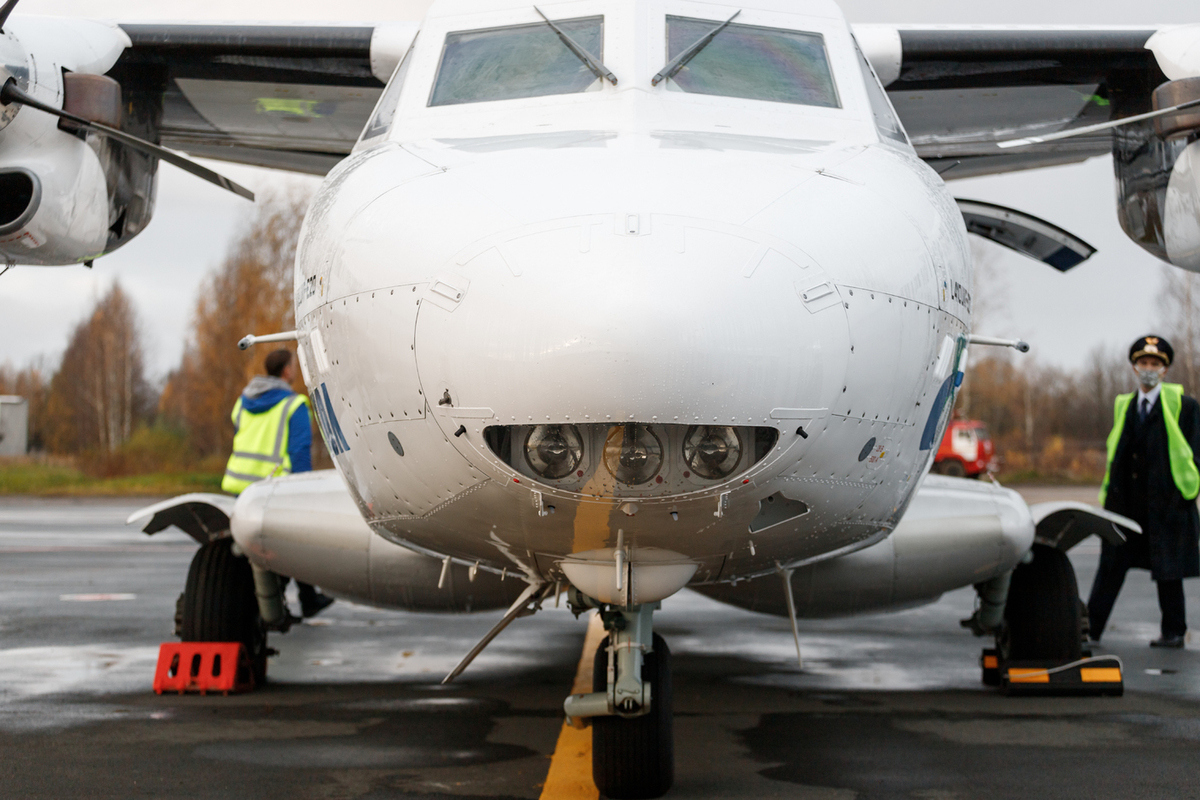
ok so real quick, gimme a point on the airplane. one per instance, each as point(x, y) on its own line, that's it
point(617, 297)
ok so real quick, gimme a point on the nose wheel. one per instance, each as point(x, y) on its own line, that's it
point(634, 757)
point(630, 705)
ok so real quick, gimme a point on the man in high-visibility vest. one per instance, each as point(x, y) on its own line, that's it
point(272, 437)
point(1152, 477)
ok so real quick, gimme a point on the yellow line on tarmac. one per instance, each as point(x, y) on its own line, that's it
point(570, 776)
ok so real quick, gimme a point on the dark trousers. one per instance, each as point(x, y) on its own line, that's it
point(1110, 576)
point(308, 593)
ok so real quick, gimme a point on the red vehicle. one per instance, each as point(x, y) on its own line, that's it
point(966, 450)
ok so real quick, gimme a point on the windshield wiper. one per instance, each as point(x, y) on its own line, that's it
point(680, 61)
point(591, 62)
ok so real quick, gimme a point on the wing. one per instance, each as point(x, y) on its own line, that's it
point(297, 96)
point(291, 97)
point(961, 90)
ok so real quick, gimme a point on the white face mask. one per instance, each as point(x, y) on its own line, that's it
point(1150, 377)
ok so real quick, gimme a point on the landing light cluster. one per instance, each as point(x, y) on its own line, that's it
point(633, 452)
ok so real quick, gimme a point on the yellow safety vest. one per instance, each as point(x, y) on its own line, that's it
point(1183, 465)
point(260, 444)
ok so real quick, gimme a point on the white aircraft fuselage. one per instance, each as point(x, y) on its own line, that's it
point(623, 269)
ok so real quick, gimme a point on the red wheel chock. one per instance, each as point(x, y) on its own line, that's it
point(203, 667)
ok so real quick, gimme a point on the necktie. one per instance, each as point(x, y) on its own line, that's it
point(1145, 408)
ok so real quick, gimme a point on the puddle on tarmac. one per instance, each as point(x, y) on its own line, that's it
point(335, 755)
point(422, 705)
point(88, 669)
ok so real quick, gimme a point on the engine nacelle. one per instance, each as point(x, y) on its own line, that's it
point(67, 197)
point(956, 532)
point(1157, 165)
point(307, 526)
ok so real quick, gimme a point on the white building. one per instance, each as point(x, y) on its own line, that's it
point(14, 425)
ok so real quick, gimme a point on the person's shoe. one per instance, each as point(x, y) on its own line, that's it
point(1173, 642)
point(319, 603)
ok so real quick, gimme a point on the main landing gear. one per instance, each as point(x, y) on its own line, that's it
point(1039, 642)
point(630, 707)
point(1043, 619)
point(219, 604)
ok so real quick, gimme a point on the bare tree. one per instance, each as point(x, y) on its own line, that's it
point(1179, 302)
point(989, 292)
point(989, 298)
point(1105, 375)
point(100, 392)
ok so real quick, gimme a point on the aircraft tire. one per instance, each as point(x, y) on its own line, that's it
point(219, 604)
point(635, 758)
point(1042, 616)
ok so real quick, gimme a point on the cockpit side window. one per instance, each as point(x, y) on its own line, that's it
point(385, 110)
point(516, 61)
point(886, 120)
point(756, 63)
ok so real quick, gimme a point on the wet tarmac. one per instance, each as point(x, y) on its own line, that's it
point(887, 706)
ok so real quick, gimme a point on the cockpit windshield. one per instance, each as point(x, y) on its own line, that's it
point(756, 63)
point(516, 61)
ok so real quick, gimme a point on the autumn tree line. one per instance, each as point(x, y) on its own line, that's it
point(99, 407)
point(1051, 423)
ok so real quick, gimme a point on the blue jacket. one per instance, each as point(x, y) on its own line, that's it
point(299, 427)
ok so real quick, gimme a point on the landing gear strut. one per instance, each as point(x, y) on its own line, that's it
point(219, 604)
point(630, 707)
point(1039, 645)
point(634, 757)
point(1042, 617)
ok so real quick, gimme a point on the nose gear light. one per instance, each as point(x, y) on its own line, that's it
point(712, 451)
point(630, 459)
point(554, 451)
point(633, 453)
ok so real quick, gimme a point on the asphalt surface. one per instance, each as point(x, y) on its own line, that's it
point(886, 706)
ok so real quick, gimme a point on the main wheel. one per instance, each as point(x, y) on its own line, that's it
point(1042, 617)
point(219, 604)
point(635, 758)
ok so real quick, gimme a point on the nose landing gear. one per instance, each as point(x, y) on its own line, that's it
point(634, 757)
point(630, 707)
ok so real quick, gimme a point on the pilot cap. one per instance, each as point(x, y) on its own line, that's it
point(1152, 346)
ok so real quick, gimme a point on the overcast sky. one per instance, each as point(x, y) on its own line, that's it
point(1109, 299)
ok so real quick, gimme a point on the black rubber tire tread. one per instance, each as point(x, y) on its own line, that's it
point(633, 759)
point(951, 467)
point(219, 604)
point(1042, 615)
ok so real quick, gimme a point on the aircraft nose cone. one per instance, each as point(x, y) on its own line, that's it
point(655, 318)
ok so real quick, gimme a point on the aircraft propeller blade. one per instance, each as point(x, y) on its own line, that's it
point(1103, 126)
point(11, 94)
point(5, 10)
